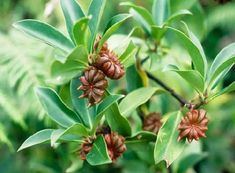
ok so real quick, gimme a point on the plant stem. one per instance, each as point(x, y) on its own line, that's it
point(179, 98)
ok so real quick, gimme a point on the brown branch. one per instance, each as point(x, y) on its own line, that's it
point(179, 98)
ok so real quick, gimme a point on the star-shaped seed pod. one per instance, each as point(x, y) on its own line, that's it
point(115, 144)
point(107, 61)
point(93, 85)
point(110, 65)
point(193, 125)
point(152, 122)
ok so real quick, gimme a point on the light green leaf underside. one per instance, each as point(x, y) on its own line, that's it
point(37, 138)
point(167, 147)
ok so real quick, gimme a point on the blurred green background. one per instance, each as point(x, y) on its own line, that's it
point(25, 63)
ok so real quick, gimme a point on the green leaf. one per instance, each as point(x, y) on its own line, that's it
point(167, 147)
point(227, 89)
point(189, 161)
point(142, 136)
point(197, 43)
point(116, 121)
point(144, 151)
point(55, 107)
point(99, 153)
point(223, 61)
point(81, 31)
point(96, 10)
point(160, 11)
point(75, 63)
point(127, 58)
point(194, 51)
point(113, 25)
point(140, 14)
point(178, 15)
point(103, 106)
point(158, 32)
point(137, 98)
point(63, 73)
point(46, 33)
point(37, 138)
point(76, 129)
point(133, 79)
point(80, 105)
point(193, 77)
point(72, 12)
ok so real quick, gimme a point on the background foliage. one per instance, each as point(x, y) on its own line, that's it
point(25, 63)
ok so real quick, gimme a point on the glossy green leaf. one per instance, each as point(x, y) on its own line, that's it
point(140, 14)
point(137, 98)
point(158, 32)
point(103, 106)
point(127, 58)
point(55, 107)
point(178, 15)
point(81, 31)
point(142, 136)
point(144, 151)
point(116, 121)
point(63, 73)
point(75, 63)
point(189, 161)
point(96, 10)
point(194, 51)
point(113, 25)
point(193, 77)
point(72, 13)
point(80, 105)
point(167, 147)
point(37, 138)
point(99, 153)
point(227, 89)
point(222, 62)
point(197, 43)
point(160, 11)
point(76, 129)
point(46, 33)
point(133, 79)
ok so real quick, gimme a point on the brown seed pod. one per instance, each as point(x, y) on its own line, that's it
point(86, 146)
point(115, 144)
point(93, 84)
point(193, 125)
point(152, 122)
point(107, 61)
point(110, 65)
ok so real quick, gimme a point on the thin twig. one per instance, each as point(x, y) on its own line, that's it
point(182, 101)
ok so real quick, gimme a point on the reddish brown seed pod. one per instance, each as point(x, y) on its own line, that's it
point(193, 125)
point(115, 144)
point(86, 146)
point(110, 65)
point(107, 61)
point(93, 85)
point(152, 122)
